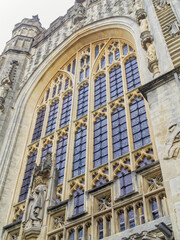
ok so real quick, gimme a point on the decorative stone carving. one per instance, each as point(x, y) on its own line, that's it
point(59, 221)
point(155, 183)
point(152, 59)
point(104, 203)
point(174, 29)
point(79, 12)
point(34, 211)
point(14, 236)
point(4, 89)
point(147, 41)
point(161, 4)
point(137, 4)
point(172, 145)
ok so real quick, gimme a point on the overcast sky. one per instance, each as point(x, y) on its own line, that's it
point(13, 11)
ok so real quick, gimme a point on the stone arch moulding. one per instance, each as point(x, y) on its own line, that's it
point(24, 107)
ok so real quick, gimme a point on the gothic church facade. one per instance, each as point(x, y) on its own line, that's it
point(90, 124)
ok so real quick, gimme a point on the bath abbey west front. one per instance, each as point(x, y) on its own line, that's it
point(90, 124)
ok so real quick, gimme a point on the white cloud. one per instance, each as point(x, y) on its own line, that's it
point(13, 11)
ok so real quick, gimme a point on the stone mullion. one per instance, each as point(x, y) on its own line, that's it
point(136, 220)
point(59, 112)
point(113, 222)
point(159, 206)
point(126, 218)
point(104, 227)
point(129, 131)
point(109, 129)
point(95, 228)
point(150, 130)
point(90, 129)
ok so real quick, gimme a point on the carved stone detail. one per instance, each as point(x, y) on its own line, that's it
point(155, 183)
point(34, 211)
point(147, 42)
point(172, 145)
point(59, 221)
point(4, 89)
point(79, 12)
point(174, 29)
point(104, 203)
point(14, 236)
point(161, 4)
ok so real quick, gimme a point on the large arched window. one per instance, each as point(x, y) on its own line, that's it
point(93, 119)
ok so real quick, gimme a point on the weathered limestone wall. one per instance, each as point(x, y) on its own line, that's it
point(164, 111)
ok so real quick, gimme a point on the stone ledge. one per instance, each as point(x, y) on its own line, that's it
point(157, 82)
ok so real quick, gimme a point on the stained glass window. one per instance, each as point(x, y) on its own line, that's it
point(116, 85)
point(54, 91)
point(125, 181)
point(27, 175)
point(66, 110)
point(79, 157)
point(100, 223)
point(117, 54)
point(132, 74)
point(154, 207)
point(139, 123)
point(47, 94)
point(72, 236)
point(100, 91)
point(81, 75)
point(78, 201)
point(100, 141)
point(80, 234)
point(66, 84)
point(82, 101)
point(119, 132)
point(131, 218)
point(74, 66)
point(47, 149)
point(96, 50)
point(39, 125)
point(122, 221)
point(61, 157)
point(110, 58)
point(52, 117)
point(59, 88)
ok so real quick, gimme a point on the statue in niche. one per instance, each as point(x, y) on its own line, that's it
point(172, 145)
point(79, 11)
point(36, 203)
point(161, 4)
point(4, 89)
point(151, 52)
point(144, 25)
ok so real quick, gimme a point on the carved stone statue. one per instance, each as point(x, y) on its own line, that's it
point(151, 52)
point(144, 25)
point(161, 4)
point(4, 88)
point(79, 12)
point(174, 28)
point(172, 145)
point(36, 206)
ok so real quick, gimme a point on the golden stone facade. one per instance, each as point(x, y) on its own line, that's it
point(89, 123)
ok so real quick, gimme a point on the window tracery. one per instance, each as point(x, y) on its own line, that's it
point(96, 126)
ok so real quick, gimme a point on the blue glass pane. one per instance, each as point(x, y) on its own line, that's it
point(116, 85)
point(66, 83)
point(103, 62)
point(79, 158)
point(82, 101)
point(100, 91)
point(117, 54)
point(52, 117)
point(100, 141)
point(132, 74)
point(66, 110)
point(78, 201)
point(47, 94)
point(61, 157)
point(74, 66)
point(27, 175)
point(69, 68)
point(96, 50)
point(81, 75)
point(47, 149)
point(110, 58)
point(54, 91)
point(125, 49)
point(139, 123)
point(39, 125)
